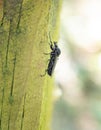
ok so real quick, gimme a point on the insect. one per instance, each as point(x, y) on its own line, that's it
point(55, 52)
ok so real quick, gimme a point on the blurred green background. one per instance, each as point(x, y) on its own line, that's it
point(77, 94)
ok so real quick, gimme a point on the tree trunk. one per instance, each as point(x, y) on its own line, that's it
point(25, 96)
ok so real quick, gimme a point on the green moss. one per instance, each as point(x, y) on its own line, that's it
point(11, 100)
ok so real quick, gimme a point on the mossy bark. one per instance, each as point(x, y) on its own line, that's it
point(25, 96)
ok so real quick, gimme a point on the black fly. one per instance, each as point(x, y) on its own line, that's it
point(53, 57)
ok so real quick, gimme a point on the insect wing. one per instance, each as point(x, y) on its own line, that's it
point(51, 65)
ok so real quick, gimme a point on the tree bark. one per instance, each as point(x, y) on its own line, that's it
point(25, 96)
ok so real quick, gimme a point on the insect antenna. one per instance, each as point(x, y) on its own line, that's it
point(50, 43)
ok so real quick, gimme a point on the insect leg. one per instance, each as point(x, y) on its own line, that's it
point(46, 53)
point(43, 74)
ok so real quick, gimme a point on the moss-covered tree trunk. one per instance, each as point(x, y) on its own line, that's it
point(25, 96)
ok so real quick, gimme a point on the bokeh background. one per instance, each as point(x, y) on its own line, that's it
point(77, 94)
